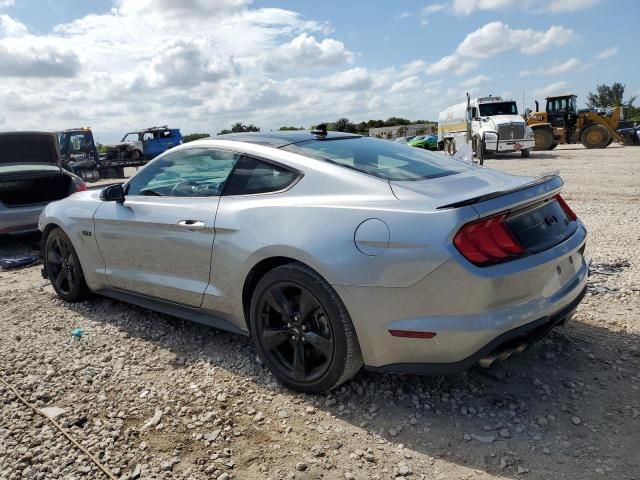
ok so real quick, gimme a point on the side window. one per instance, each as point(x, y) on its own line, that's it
point(196, 172)
point(254, 176)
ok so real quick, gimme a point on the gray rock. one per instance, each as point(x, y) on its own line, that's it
point(52, 412)
point(211, 436)
point(483, 438)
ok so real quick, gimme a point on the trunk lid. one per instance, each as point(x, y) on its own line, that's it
point(475, 186)
point(29, 148)
point(533, 211)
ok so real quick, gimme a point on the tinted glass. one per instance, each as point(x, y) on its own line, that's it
point(381, 158)
point(498, 108)
point(254, 176)
point(195, 172)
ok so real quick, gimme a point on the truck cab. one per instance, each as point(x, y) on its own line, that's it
point(147, 143)
point(77, 147)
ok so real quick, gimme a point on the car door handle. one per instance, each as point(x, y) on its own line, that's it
point(191, 224)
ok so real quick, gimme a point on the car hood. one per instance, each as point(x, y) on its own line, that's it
point(29, 148)
point(474, 182)
point(506, 119)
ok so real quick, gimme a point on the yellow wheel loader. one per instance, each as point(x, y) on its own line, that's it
point(562, 122)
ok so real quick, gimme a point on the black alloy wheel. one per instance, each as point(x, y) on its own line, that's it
point(302, 330)
point(296, 331)
point(63, 267)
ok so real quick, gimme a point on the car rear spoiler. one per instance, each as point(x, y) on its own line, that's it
point(553, 179)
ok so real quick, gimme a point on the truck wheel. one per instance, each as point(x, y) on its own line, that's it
point(135, 154)
point(524, 153)
point(595, 136)
point(553, 145)
point(543, 138)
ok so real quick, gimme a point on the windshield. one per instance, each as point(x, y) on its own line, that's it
point(498, 108)
point(388, 160)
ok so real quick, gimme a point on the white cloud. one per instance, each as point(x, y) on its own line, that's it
point(552, 89)
point(41, 61)
point(572, 65)
point(467, 7)
point(430, 10)
point(497, 37)
point(10, 27)
point(433, 8)
point(406, 84)
point(404, 14)
point(452, 63)
point(475, 81)
point(7, 3)
point(494, 38)
point(305, 51)
point(569, 5)
point(608, 53)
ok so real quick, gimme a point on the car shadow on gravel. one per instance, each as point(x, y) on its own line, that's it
point(567, 404)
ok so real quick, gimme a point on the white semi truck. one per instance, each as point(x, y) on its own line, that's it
point(488, 124)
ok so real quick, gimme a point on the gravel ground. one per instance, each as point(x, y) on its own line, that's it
point(151, 396)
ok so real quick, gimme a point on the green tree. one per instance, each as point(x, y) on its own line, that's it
point(609, 96)
point(284, 129)
point(344, 125)
point(194, 136)
point(101, 148)
point(239, 127)
point(393, 121)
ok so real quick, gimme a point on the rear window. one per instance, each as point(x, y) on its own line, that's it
point(380, 158)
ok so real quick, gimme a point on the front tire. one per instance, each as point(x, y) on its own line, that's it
point(63, 267)
point(543, 139)
point(302, 330)
point(595, 136)
point(524, 153)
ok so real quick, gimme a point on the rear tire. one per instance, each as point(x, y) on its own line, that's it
point(543, 138)
point(63, 267)
point(302, 330)
point(595, 136)
point(525, 153)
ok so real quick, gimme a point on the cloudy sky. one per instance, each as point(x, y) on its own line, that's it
point(200, 65)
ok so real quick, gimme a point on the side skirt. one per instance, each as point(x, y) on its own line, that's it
point(173, 309)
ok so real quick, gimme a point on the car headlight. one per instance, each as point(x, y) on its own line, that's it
point(490, 137)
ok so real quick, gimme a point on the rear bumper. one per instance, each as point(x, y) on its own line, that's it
point(19, 219)
point(469, 308)
point(523, 335)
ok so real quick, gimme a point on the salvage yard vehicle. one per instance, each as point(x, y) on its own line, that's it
point(30, 177)
point(491, 124)
point(562, 122)
point(428, 142)
point(147, 143)
point(80, 156)
point(331, 250)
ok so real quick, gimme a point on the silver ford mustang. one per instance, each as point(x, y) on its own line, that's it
point(332, 251)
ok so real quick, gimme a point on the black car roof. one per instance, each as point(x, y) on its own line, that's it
point(281, 139)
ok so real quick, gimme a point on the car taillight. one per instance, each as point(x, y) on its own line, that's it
point(567, 209)
point(488, 241)
point(80, 186)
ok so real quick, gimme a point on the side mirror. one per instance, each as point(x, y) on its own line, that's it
point(113, 193)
